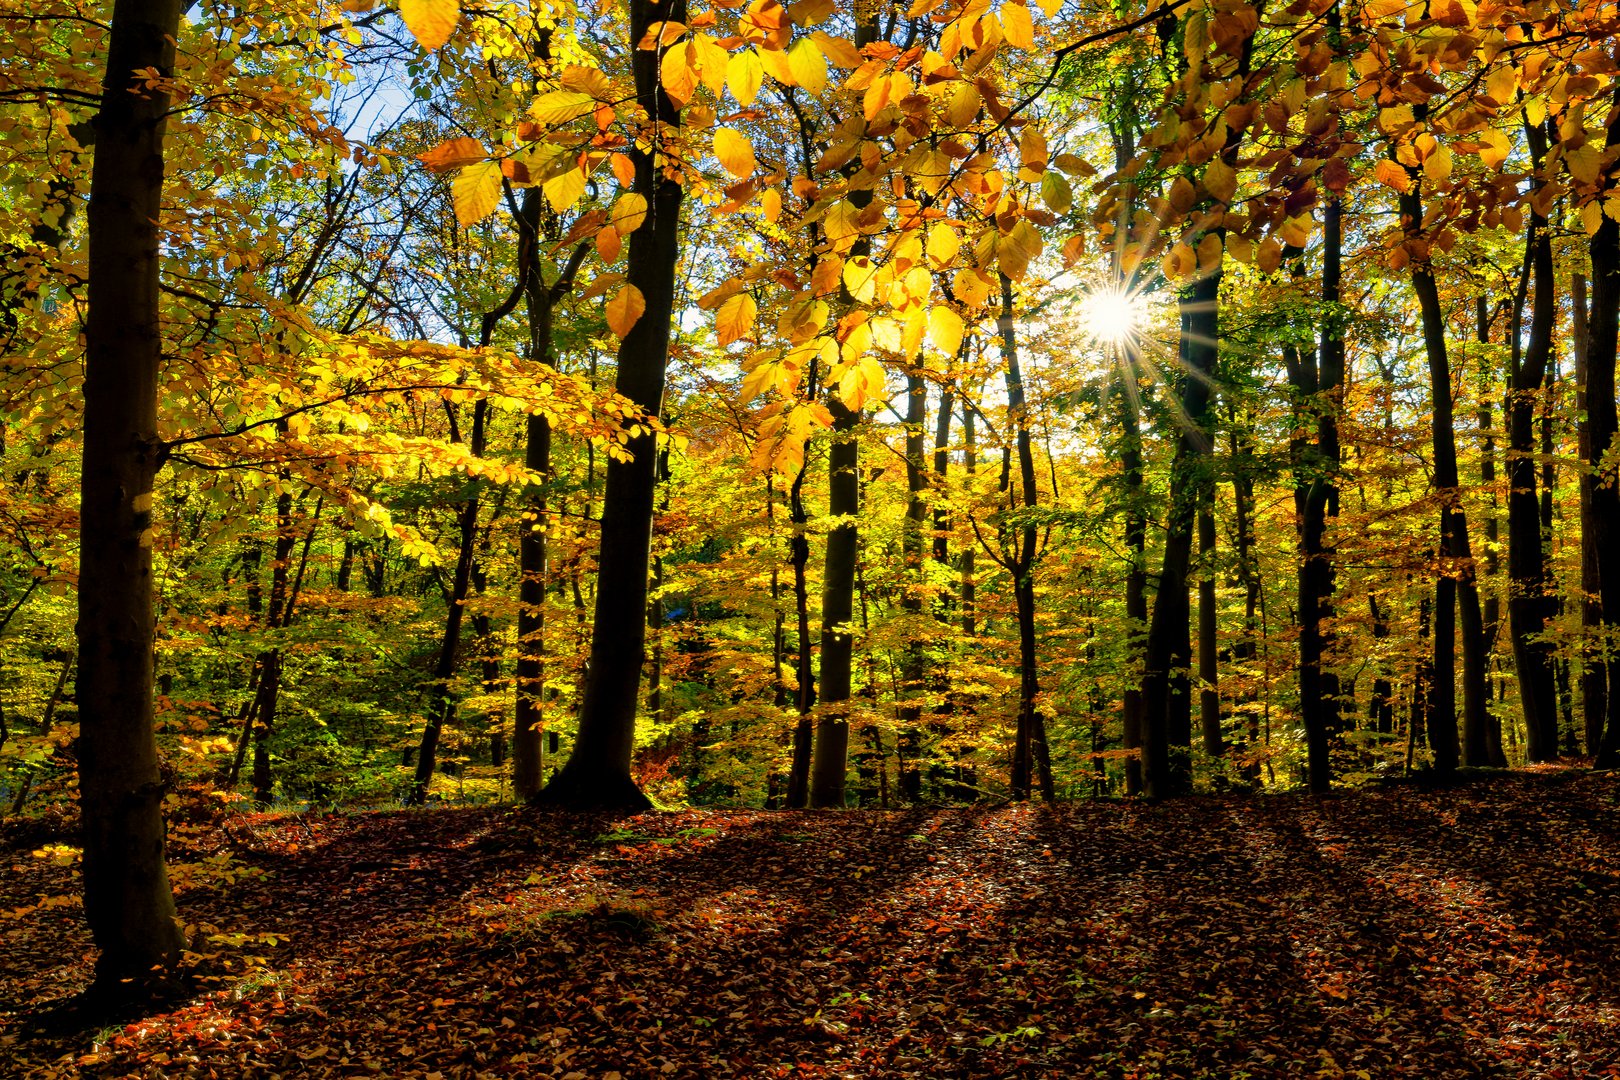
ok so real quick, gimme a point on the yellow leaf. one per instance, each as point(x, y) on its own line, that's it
point(744, 73)
point(560, 106)
point(808, 65)
point(625, 309)
point(587, 80)
point(734, 152)
point(452, 154)
point(712, 63)
point(775, 64)
point(770, 204)
point(970, 286)
point(1592, 218)
point(943, 244)
point(1017, 248)
point(735, 319)
point(720, 294)
point(1494, 148)
point(476, 191)
point(1016, 26)
point(680, 77)
point(608, 243)
point(661, 33)
point(1051, 7)
point(836, 49)
point(931, 168)
point(1501, 84)
point(1437, 166)
point(1056, 193)
point(1296, 231)
point(839, 221)
point(1220, 180)
point(431, 22)
point(1178, 262)
point(945, 329)
point(964, 106)
point(628, 212)
point(564, 190)
point(860, 278)
point(875, 98)
point(1032, 152)
point(1585, 163)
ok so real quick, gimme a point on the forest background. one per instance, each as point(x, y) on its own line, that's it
point(778, 406)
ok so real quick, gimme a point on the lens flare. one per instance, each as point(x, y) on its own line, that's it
point(1112, 316)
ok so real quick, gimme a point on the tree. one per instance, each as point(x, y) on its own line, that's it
point(597, 773)
point(127, 899)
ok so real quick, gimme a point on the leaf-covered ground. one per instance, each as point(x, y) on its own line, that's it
point(1470, 931)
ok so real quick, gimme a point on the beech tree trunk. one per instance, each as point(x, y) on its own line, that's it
point(534, 551)
point(1245, 651)
point(1167, 768)
point(1456, 594)
point(830, 756)
point(798, 789)
point(1136, 610)
point(913, 669)
point(597, 774)
point(831, 752)
point(1209, 696)
point(1594, 682)
point(1603, 330)
point(1528, 602)
point(1032, 759)
point(127, 899)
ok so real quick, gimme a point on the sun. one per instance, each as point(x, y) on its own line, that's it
point(1112, 316)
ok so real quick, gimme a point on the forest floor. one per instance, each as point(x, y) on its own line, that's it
point(1407, 932)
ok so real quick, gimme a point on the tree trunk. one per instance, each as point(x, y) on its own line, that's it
point(127, 899)
point(270, 680)
point(1209, 696)
point(1245, 651)
point(1603, 328)
point(798, 790)
point(597, 774)
point(534, 552)
point(1032, 759)
point(1168, 772)
point(442, 702)
point(831, 753)
point(1528, 602)
point(913, 669)
point(1136, 610)
point(1455, 593)
point(1594, 683)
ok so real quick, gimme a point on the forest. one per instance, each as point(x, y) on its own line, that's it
point(549, 475)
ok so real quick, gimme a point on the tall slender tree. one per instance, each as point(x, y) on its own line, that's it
point(127, 899)
point(597, 773)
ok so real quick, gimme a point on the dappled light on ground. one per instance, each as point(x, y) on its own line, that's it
point(1458, 932)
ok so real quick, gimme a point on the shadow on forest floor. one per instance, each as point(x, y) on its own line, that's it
point(1405, 932)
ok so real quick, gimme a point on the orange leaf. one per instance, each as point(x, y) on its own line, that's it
point(452, 154)
point(625, 309)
